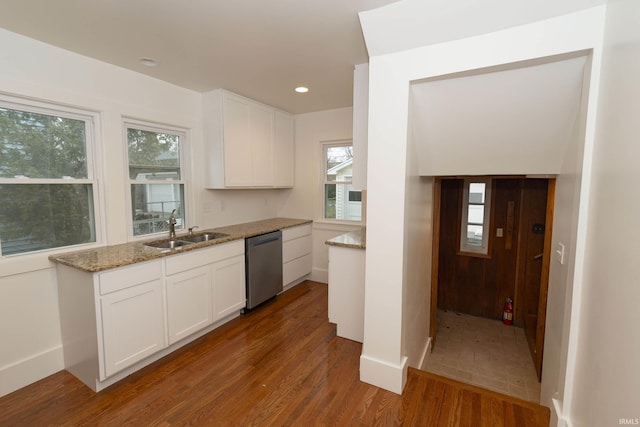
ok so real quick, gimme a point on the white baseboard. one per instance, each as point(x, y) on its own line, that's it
point(30, 370)
point(557, 417)
point(319, 275)
point(425, 355)
point(383, 374)
point(294, 283)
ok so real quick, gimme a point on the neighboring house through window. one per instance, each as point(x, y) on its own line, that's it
point(340, 201)
point(156, 176)
point(47, 176)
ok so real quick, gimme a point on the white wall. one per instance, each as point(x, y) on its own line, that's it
point(569, 223)
point(390, 77)
point(305, 199)
point(606, 385)
point(30, 333)
point(417, 269)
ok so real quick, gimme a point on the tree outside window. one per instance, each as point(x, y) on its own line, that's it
point(46, 182)
point(156, 178)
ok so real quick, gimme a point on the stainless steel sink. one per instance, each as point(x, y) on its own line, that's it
point(205, 237)
point(185, 240)
point(169, 244)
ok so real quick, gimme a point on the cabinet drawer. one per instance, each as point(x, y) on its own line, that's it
point(199, 257)
point(121, 278)
point(295, 269)
point(296, 248)
point(295, 232)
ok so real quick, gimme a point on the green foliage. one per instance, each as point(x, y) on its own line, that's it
point(152, 152)
point(36, 216)
point(41, 146)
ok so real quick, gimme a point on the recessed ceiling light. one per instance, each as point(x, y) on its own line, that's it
point(302, 89)
point(148, 62)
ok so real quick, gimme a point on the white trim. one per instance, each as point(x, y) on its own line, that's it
point(319, 275)
point(31, 369)
point(94, 165)
point(424, 357)
point(384, 374)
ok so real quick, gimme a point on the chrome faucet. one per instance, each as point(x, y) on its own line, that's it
point(191, 229)
point(172, 225)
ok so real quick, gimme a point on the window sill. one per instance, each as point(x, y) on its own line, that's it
point(474, 255)
point(324, 224)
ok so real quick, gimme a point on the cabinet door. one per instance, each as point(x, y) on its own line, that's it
point(237, 142)
point(229, 292)
point(261, 142)
point(132, 325)
point(283, 154)
point(188, 302)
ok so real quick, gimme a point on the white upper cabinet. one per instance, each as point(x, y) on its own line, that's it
point(360, 125)
point(283, 150)
point(249, 145)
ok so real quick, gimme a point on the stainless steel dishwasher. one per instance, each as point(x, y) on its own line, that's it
point(263, 263)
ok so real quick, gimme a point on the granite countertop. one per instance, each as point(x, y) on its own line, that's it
point(107, 257)
point(354, 239)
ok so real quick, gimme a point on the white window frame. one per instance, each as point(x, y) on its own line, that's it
point(465, 247)
point(185, 171)
point(94, 170)
point(324, 145)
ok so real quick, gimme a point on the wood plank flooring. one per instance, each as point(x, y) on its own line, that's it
point(279, 365)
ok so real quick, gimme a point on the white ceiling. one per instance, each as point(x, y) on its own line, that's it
point(511, 120)
point(258, 48)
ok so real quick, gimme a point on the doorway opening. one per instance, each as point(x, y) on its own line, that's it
point(512, 217)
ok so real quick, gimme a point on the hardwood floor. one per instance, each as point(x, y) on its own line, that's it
point(281, 364)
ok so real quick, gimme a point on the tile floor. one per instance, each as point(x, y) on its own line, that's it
point(485, 353)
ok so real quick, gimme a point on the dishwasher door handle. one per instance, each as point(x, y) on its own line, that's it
point(262, 242)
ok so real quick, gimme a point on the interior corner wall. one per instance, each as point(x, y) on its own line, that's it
point(390, 77)
point(305, 199)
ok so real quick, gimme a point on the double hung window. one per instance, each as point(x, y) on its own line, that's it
point(47, 177)
point(340, 201)
point(156, 176)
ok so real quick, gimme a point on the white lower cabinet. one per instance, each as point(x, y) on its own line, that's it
point(229, 293)
point(204, 286)
point(346, 291)
point(296, 253)
point(132, 325)
point(188, 302)
point(117, 321)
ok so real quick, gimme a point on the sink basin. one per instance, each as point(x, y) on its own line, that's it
point(169, 244)
point(204, 237)
point(185, 240)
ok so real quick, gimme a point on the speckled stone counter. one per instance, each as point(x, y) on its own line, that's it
point(354, 239)
point(107, 257)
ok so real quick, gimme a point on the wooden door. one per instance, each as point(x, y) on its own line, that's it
point(533, 264)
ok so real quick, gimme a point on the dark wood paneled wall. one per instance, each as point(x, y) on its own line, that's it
point(471, 284)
